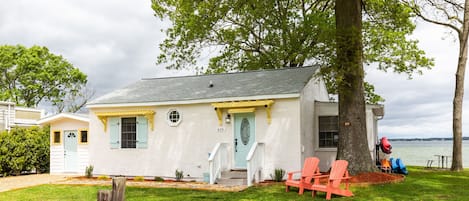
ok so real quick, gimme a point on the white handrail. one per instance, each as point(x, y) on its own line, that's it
point(218, 161)
point(255, 162)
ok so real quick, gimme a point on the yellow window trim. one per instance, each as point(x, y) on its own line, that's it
point(53, 137)
point(87, 137)
point(149, 114)
point(246, 106)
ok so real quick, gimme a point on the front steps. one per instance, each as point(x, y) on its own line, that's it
point(233, 178)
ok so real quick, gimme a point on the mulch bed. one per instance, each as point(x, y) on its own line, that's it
point(364, 179)
point(371, 178)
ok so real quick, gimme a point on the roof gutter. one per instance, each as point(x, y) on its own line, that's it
point(187, 102)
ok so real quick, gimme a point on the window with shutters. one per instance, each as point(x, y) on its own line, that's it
point(328, 131)
point(128, 132)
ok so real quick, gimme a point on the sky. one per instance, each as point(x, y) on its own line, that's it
point(115, 42)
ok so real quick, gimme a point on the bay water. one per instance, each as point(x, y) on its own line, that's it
point(418, 152)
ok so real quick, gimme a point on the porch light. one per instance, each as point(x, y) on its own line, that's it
point(228, 119)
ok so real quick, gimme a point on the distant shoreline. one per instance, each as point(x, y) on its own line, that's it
point(426, 139)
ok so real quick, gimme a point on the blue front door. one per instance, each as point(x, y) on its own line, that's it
point(70, 151)
point(244, 137)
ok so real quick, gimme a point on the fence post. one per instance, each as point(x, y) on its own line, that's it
point(104, 195)
point(118, 188)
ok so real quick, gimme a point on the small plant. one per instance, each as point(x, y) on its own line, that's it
point(179, 175)
point(89, 171)
point(278, 174)
point(139, 178)
point(159, 179)
point(103, 177)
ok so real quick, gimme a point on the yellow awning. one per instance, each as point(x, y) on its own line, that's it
point(149, 114)
point(241, 110)
point(242, 107)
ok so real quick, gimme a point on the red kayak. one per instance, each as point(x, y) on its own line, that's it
point(385, 145)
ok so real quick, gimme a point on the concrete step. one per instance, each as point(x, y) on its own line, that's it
point(232, 182)
point(233, 178)
point(234, 174)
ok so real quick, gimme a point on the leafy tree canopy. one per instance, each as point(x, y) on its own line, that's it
point(31, 75)
point(266, 34)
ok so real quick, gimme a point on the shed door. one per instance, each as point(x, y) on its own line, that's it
point(244, 137)
point(70, 151)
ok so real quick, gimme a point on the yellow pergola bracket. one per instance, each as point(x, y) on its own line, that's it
point(219, 115)
point(104, 121)
point(268, 110)
point(149, 114)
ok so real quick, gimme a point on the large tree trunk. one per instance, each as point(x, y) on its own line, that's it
point(353, 141)
point(459, 93)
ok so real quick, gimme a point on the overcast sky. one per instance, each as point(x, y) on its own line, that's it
point(115, 42)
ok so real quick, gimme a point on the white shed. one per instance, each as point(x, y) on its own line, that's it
point(69, 138)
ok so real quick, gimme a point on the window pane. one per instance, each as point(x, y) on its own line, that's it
point(56, 136)
point(328, 131)
point(84, 136)
point(129, 132)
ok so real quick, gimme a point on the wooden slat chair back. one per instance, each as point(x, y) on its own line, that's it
point(339, 174)
point(310, 170)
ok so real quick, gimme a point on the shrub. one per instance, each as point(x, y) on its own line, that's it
point(139, 178)
point(24, 149)
point(89, 171)
point(278, 174)
point(179, 175)
point(159, 179)
point(103, 177)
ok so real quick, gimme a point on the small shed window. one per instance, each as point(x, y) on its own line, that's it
point(328, 131)
point(174, 117)
point(56, 137)
point(83, 136)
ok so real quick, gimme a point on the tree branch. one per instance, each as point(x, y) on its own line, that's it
point(416, 10)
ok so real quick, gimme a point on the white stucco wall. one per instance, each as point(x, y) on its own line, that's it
point(328, 155)
point(186, 146)
point(313, 91)
point(57, 150)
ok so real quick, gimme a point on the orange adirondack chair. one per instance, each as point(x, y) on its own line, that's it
point(338, 174)
point(310, 169)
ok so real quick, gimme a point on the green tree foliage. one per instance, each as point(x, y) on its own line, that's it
point(24, 149)
point(266, 34)
point(31, 75)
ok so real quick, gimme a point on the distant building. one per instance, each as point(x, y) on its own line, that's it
point(12, 115)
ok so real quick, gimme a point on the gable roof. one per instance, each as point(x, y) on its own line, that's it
point(50, 119)
point(229, 85)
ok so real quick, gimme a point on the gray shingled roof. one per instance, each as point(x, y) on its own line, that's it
point(245, 84)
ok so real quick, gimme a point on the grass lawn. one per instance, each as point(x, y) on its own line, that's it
point(420, 184)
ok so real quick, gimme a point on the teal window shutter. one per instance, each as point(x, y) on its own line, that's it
point(142, 132)
point(114, 132)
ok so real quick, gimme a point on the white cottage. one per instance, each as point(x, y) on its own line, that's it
point(68, 142)
point(254, 121)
